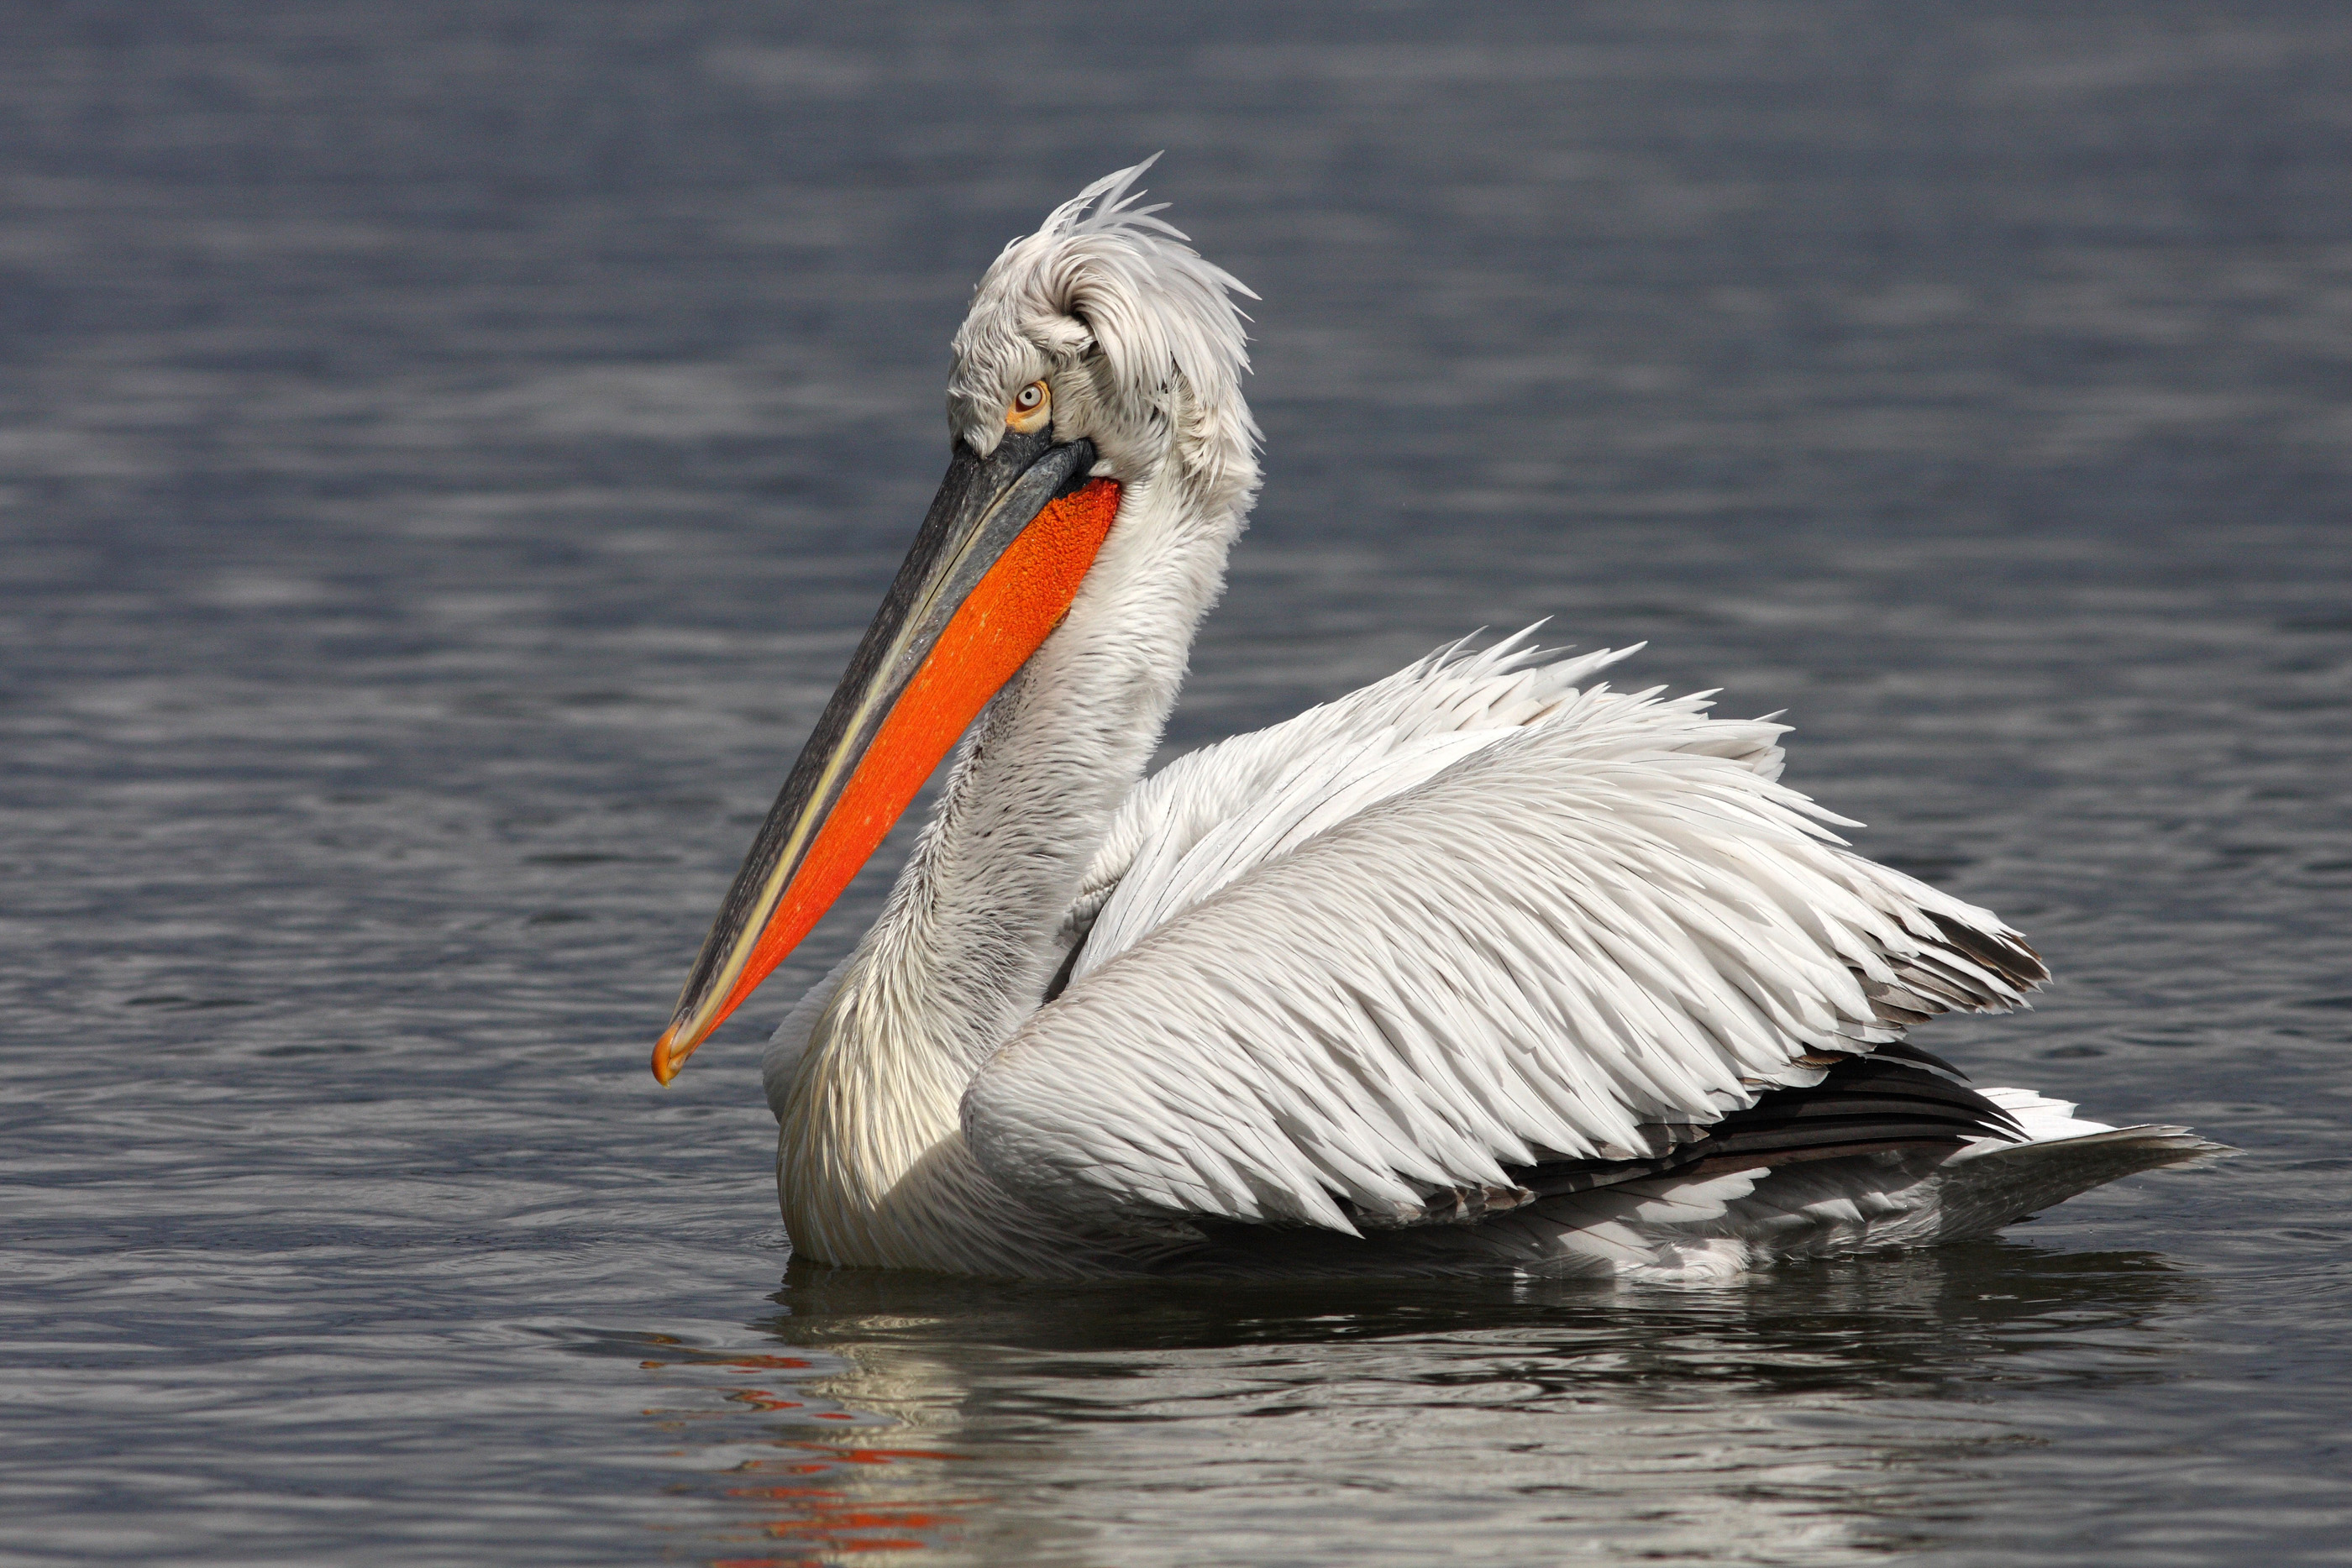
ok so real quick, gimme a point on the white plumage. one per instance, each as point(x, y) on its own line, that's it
point(1487, 965)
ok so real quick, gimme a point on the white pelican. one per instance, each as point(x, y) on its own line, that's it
point(1484, 968)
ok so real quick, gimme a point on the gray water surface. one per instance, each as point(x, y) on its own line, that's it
point(447, 452)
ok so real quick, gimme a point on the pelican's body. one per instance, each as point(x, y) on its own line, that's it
point(1484, 968)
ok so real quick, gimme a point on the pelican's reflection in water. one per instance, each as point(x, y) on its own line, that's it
point(1817, 1414)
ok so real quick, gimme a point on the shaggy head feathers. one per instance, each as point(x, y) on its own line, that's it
point(1139, 338)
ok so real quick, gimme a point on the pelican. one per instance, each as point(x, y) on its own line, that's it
point(1486, 968)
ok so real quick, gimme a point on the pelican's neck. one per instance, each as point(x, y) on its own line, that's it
point(965, 945)
point(967, 936)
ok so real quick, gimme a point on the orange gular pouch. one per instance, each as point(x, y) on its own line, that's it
point(993, 571)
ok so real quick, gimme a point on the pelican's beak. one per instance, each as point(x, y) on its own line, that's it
point(1001, 555)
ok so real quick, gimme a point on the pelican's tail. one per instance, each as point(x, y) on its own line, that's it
point(1991, 1183)
point(1908, 1200)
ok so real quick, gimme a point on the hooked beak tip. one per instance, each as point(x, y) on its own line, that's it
point(668, 1057)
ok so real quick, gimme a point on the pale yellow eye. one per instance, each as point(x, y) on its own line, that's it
point(1028, 408)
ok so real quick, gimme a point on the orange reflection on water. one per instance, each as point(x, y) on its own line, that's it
point(761, 1399)
point(833, 1520)
point(848, 1502)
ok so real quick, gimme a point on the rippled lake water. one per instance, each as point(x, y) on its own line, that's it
point(447, 453)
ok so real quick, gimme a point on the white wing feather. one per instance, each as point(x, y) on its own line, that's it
point(1212, 814)
point(1395, 969)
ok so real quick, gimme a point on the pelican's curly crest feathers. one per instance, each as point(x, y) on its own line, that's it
point(1107, 281)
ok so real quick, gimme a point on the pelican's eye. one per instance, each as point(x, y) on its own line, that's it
point(1029, 408)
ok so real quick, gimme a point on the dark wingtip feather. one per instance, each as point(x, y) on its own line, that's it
point(2005, 956)
point(1906, 1051)
point(1862, 1105)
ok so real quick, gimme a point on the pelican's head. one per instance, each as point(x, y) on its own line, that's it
point(1100, 365)
point(1131, 341)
